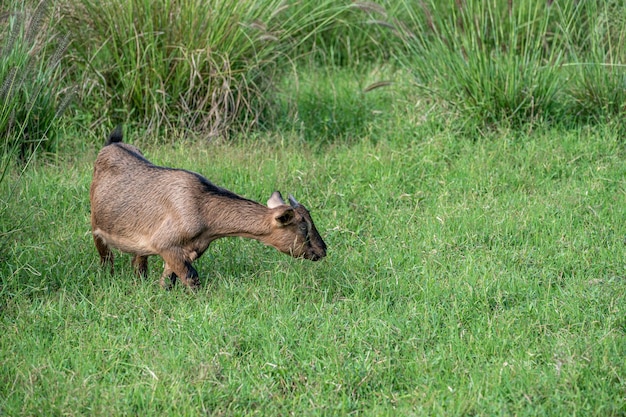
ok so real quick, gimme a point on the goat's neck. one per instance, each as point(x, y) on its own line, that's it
point(228, 216)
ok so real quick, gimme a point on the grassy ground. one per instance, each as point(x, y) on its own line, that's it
point(463, 278)
point(479, 275)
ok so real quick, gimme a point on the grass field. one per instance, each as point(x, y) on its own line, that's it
point(463, 160)
point(463, 278)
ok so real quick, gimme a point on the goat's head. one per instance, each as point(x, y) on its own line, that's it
point(295, 234)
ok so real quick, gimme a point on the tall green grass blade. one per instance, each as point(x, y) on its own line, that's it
point(493, 61)
point(208, 66)
point(30, 82)
point(598, 66)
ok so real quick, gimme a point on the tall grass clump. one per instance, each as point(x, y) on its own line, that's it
point(203, 65)
point(598, 50)
point(493, 61)
point(32, 90)
point(354, 36)
point(33, 95)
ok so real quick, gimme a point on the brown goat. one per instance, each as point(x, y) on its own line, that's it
point(144, 209)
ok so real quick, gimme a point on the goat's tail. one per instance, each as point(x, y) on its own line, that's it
point(116, 136)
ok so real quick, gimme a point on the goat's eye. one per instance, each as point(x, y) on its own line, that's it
point(303, 227)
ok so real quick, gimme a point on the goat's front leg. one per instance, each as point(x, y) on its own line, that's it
point(168, 278)
point(176, 266)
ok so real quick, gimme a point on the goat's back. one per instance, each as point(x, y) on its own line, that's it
point(131, 198)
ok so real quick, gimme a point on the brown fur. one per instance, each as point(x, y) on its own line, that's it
point(144, 210)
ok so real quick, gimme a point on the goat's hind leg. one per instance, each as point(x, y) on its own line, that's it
point(106, 255)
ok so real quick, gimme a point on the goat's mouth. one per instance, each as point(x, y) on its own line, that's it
point(307, 253)
point(313, 256)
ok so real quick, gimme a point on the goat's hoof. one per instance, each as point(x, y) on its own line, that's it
point(166, 284)
point(194, 285)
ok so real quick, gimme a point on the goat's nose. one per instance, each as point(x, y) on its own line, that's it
point(319, 255)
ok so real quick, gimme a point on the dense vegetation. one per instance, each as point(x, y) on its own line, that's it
point(217, 67)
point(462, 159)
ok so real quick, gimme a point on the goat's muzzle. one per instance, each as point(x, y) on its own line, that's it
point(316, 253)
point(315, 257)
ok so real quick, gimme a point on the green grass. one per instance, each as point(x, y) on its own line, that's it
point(493, 61)
point(599, 53)
point(217, 68)
point(463, 278)
point(476, 273)
point(507, 63)
point(325, 105)
point(33, 92)
point(208, 66)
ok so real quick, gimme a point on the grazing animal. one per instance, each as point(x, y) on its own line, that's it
point(144, 209)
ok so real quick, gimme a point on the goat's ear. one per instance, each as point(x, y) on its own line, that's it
point(285, 217)
point(275, 200)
